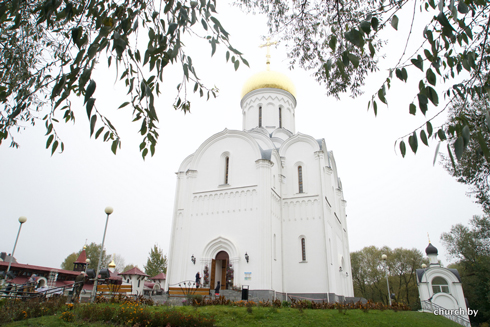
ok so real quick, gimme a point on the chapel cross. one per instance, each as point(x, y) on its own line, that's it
point(268, 45)
point(428, 237)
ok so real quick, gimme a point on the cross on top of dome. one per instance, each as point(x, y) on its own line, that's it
point(268, 55)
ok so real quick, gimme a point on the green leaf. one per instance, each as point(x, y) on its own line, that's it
point(50, 139)
point(436, 153)
point(403, 148)
point(462, 7)
point(237, 63)
point(451, 157)
point(398, 74)
point(172, 28)
point(123, 105)
point(429, 128)
point(423, 101)
point(90, 90)
point(99, 132)
point(381, 94)
point(466, 135)
point(394, 22)
point(431, 77)
point(54, 147)
point(333, 42)
point(354, 37)
point(114, 146)
point(227, 56)
point(419, 62)
point(372, 51)
point(354, 60)
point(432, 95)
point(423, 137)
point(89, 106)
point(412, 141)
point(93, 120)
point(483, 146)
point(374, 23)
point(487, 120)
point(213, 47)
point(441, 134)
point(413, 109)
point(366, 27)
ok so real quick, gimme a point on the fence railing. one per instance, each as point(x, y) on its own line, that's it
point(26, 291)
point(432, 307)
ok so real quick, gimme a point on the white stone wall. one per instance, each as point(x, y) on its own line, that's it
point(260, 211)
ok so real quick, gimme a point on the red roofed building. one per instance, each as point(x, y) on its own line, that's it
point(159, 283)
point(81, 263)
point(45, 276)
point(134, 277)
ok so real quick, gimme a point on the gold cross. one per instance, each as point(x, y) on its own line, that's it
point(268, 45)
point(428, 237)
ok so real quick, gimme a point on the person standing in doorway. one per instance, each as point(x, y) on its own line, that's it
point(198, 280)
point(216, 290)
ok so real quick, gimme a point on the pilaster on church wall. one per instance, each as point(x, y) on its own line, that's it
point(264, 176)
point(325, 212)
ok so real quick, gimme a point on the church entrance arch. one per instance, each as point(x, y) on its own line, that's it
point(221, 256)
point(220, 271)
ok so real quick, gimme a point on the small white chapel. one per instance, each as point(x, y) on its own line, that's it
point(262, 207)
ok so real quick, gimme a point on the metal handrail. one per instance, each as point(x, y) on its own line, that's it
point(429, 306)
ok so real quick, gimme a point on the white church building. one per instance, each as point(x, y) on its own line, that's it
point(262, 206)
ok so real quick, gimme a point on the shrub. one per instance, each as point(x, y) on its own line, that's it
point(195, 300)
point(67, 316)
point(15, 309)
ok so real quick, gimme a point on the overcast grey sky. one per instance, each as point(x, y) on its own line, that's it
point(390, 200)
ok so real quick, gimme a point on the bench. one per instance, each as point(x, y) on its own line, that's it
point(112, 289)
point(183, 292)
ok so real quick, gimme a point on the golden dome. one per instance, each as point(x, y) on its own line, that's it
point(269, 79)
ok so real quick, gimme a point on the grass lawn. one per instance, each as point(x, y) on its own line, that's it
point(238, 316)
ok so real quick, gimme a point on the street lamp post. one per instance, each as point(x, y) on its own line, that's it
point(22, 220)
point(108, 211)
point(384, 257)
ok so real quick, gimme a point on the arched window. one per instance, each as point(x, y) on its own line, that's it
point(227, 167)
point(300, 179)
point(280, 117)
point(260, 116)
point(439, 285)
point(303, 249)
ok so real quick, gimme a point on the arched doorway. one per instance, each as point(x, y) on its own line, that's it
point(219, 267)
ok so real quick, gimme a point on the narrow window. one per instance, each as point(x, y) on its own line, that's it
point(227, 164)
point(139, 281)
point(260, 116)
point(303, 249)
point(280, 117)
point(300, 179)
